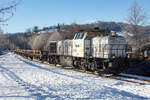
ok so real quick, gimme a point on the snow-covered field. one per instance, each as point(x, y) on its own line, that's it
point(21, 79)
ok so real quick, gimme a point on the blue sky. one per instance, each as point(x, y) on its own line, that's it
point(44, 13)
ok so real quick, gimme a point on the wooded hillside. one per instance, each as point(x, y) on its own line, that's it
point(39, 38)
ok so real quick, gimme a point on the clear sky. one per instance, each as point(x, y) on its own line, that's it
point(44, 13)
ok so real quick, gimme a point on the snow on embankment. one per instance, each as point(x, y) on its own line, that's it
point(40, 81)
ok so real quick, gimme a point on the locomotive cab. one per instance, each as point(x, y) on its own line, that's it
point(81, 45)
point(52, 47)
point(82, 42)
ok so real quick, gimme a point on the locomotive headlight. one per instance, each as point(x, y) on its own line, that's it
point(113, 56)
point(110, 64)
point(117, 38)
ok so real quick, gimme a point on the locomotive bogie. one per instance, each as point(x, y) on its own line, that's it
point(65, 61)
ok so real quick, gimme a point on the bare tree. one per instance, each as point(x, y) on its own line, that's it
point(1, 35)
point(136, 18)
point(7, 8)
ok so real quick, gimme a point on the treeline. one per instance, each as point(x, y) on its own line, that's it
point(35, 38)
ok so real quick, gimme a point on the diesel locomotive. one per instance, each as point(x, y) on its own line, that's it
point(99, 51)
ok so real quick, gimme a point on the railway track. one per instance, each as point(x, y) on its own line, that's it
point(137, 78)
point(116, 77)
point(131, 79)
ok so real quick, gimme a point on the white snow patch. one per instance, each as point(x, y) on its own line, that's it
point(27, 80)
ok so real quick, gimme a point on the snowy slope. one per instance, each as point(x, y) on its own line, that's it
point(21, 79)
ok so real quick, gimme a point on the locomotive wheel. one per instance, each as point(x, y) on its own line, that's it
point(84, 68)
point(50, 61)
point(94, 66)
point(75, 65)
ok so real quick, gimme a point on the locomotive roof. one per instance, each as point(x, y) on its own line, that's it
point(102, 31)
point(94, 33)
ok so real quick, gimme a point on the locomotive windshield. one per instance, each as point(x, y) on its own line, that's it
point(92, 33)
point(79, 36)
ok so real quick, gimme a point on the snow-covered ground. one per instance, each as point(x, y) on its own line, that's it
point(21, 79)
